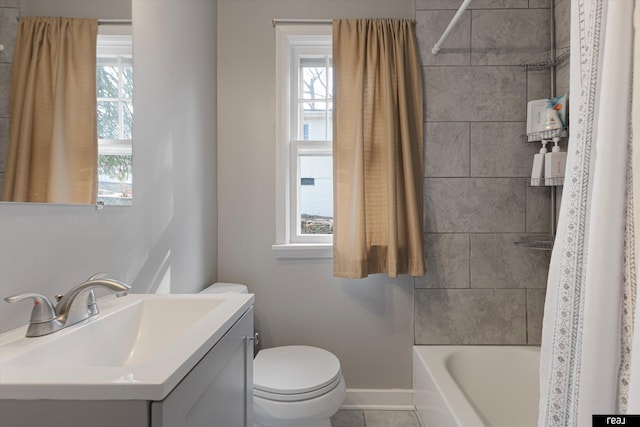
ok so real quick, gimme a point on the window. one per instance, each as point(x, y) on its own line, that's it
point(304, 133)
point(114, 85)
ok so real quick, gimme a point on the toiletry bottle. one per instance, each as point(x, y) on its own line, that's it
point(554, 165)
point(537, 172)
point(551, 118)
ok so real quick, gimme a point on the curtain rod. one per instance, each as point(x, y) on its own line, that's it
point(454, 21)
point(106, 21)
point(301, 21)
point(114, 21)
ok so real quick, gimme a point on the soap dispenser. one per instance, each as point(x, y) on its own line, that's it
point(554, 165)
point(537, 172)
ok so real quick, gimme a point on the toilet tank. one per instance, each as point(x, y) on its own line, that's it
point(223, 288)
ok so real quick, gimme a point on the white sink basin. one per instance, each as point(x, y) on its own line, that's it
point(137, 347)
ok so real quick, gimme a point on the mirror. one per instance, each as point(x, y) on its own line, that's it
point(114, 87)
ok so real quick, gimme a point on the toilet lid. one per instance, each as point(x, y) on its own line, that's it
point(294, 370)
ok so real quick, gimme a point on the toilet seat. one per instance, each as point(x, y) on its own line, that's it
point(294, 373)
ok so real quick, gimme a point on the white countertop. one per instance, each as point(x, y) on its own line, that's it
point(138, 347)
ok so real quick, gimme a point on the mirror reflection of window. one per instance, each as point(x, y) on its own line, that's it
point(114, 84)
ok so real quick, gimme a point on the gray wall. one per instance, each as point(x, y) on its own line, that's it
point(167, 242)
point(367, 323)
point(480, 288)
point(563, 27)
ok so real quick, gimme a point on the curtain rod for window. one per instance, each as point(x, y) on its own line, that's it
point(301, 21)
point(108, 21)
point(454, 21)
point(114, 21)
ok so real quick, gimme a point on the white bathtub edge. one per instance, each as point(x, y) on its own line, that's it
point(379, 399)
point(440, 402)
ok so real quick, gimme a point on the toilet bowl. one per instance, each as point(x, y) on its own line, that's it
point(293, 386)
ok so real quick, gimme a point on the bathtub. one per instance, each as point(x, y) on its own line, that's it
point(476, 386)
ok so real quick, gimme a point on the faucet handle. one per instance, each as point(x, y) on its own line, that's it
point(42, 309)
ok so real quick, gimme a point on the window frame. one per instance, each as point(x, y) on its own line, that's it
point(291, 42)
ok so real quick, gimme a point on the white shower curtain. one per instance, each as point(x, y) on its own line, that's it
point(591, 332)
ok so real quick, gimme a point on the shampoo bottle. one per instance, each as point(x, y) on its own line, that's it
point(554, 165)
point(537, 172)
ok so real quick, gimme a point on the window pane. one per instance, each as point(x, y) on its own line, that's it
point(114, 179)
point(330, 79)
point(108, 122)
point(314, 121)
point(107, 81)
point(127, 120)
point(316, 195)
point(127, 82)
point(314, 83)
point(329, 121)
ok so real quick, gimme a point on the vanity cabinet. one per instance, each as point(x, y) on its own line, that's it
point(217, 392)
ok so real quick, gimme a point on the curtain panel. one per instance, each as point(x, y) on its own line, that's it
point(53, 151)
point(377, 149)
point(590, 354)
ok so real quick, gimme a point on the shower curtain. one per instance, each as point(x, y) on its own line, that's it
point(590, 357)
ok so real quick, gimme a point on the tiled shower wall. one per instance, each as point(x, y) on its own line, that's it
point(9, 12)
point(480, 288)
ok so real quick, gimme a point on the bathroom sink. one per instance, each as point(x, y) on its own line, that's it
point(138, 347)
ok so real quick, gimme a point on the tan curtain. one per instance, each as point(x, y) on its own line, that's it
point(377, 149)
point(52, 155)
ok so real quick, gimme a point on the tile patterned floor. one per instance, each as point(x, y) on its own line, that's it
point(355, 418)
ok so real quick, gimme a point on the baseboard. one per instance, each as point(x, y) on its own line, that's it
point(379, 399)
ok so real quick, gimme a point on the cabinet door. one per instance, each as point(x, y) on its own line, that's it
point(218, 390)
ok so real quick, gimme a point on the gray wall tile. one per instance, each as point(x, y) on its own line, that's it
point(4, 143)
point(10, 3)
point(474, 205)
point(447, 261)
point(508, 37)
point(496, 262)
point(563, 23)
point(538, 84)
point(5, 76)
point(446, 149)
point(475, 4)
point(562, 78)
point(538, 210)
point(537, 4)
point(559, 191)
point(468, 94)
point(8, 29)
point(498, 150)
point(470, 316)
point(430, 24)
point(535, 314)
point(477, 173)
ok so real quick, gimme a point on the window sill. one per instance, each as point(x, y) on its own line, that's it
point(303, 250)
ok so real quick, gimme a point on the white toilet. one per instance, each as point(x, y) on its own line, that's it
point(293, 386)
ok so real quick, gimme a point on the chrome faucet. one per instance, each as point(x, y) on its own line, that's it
point(78, 304)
